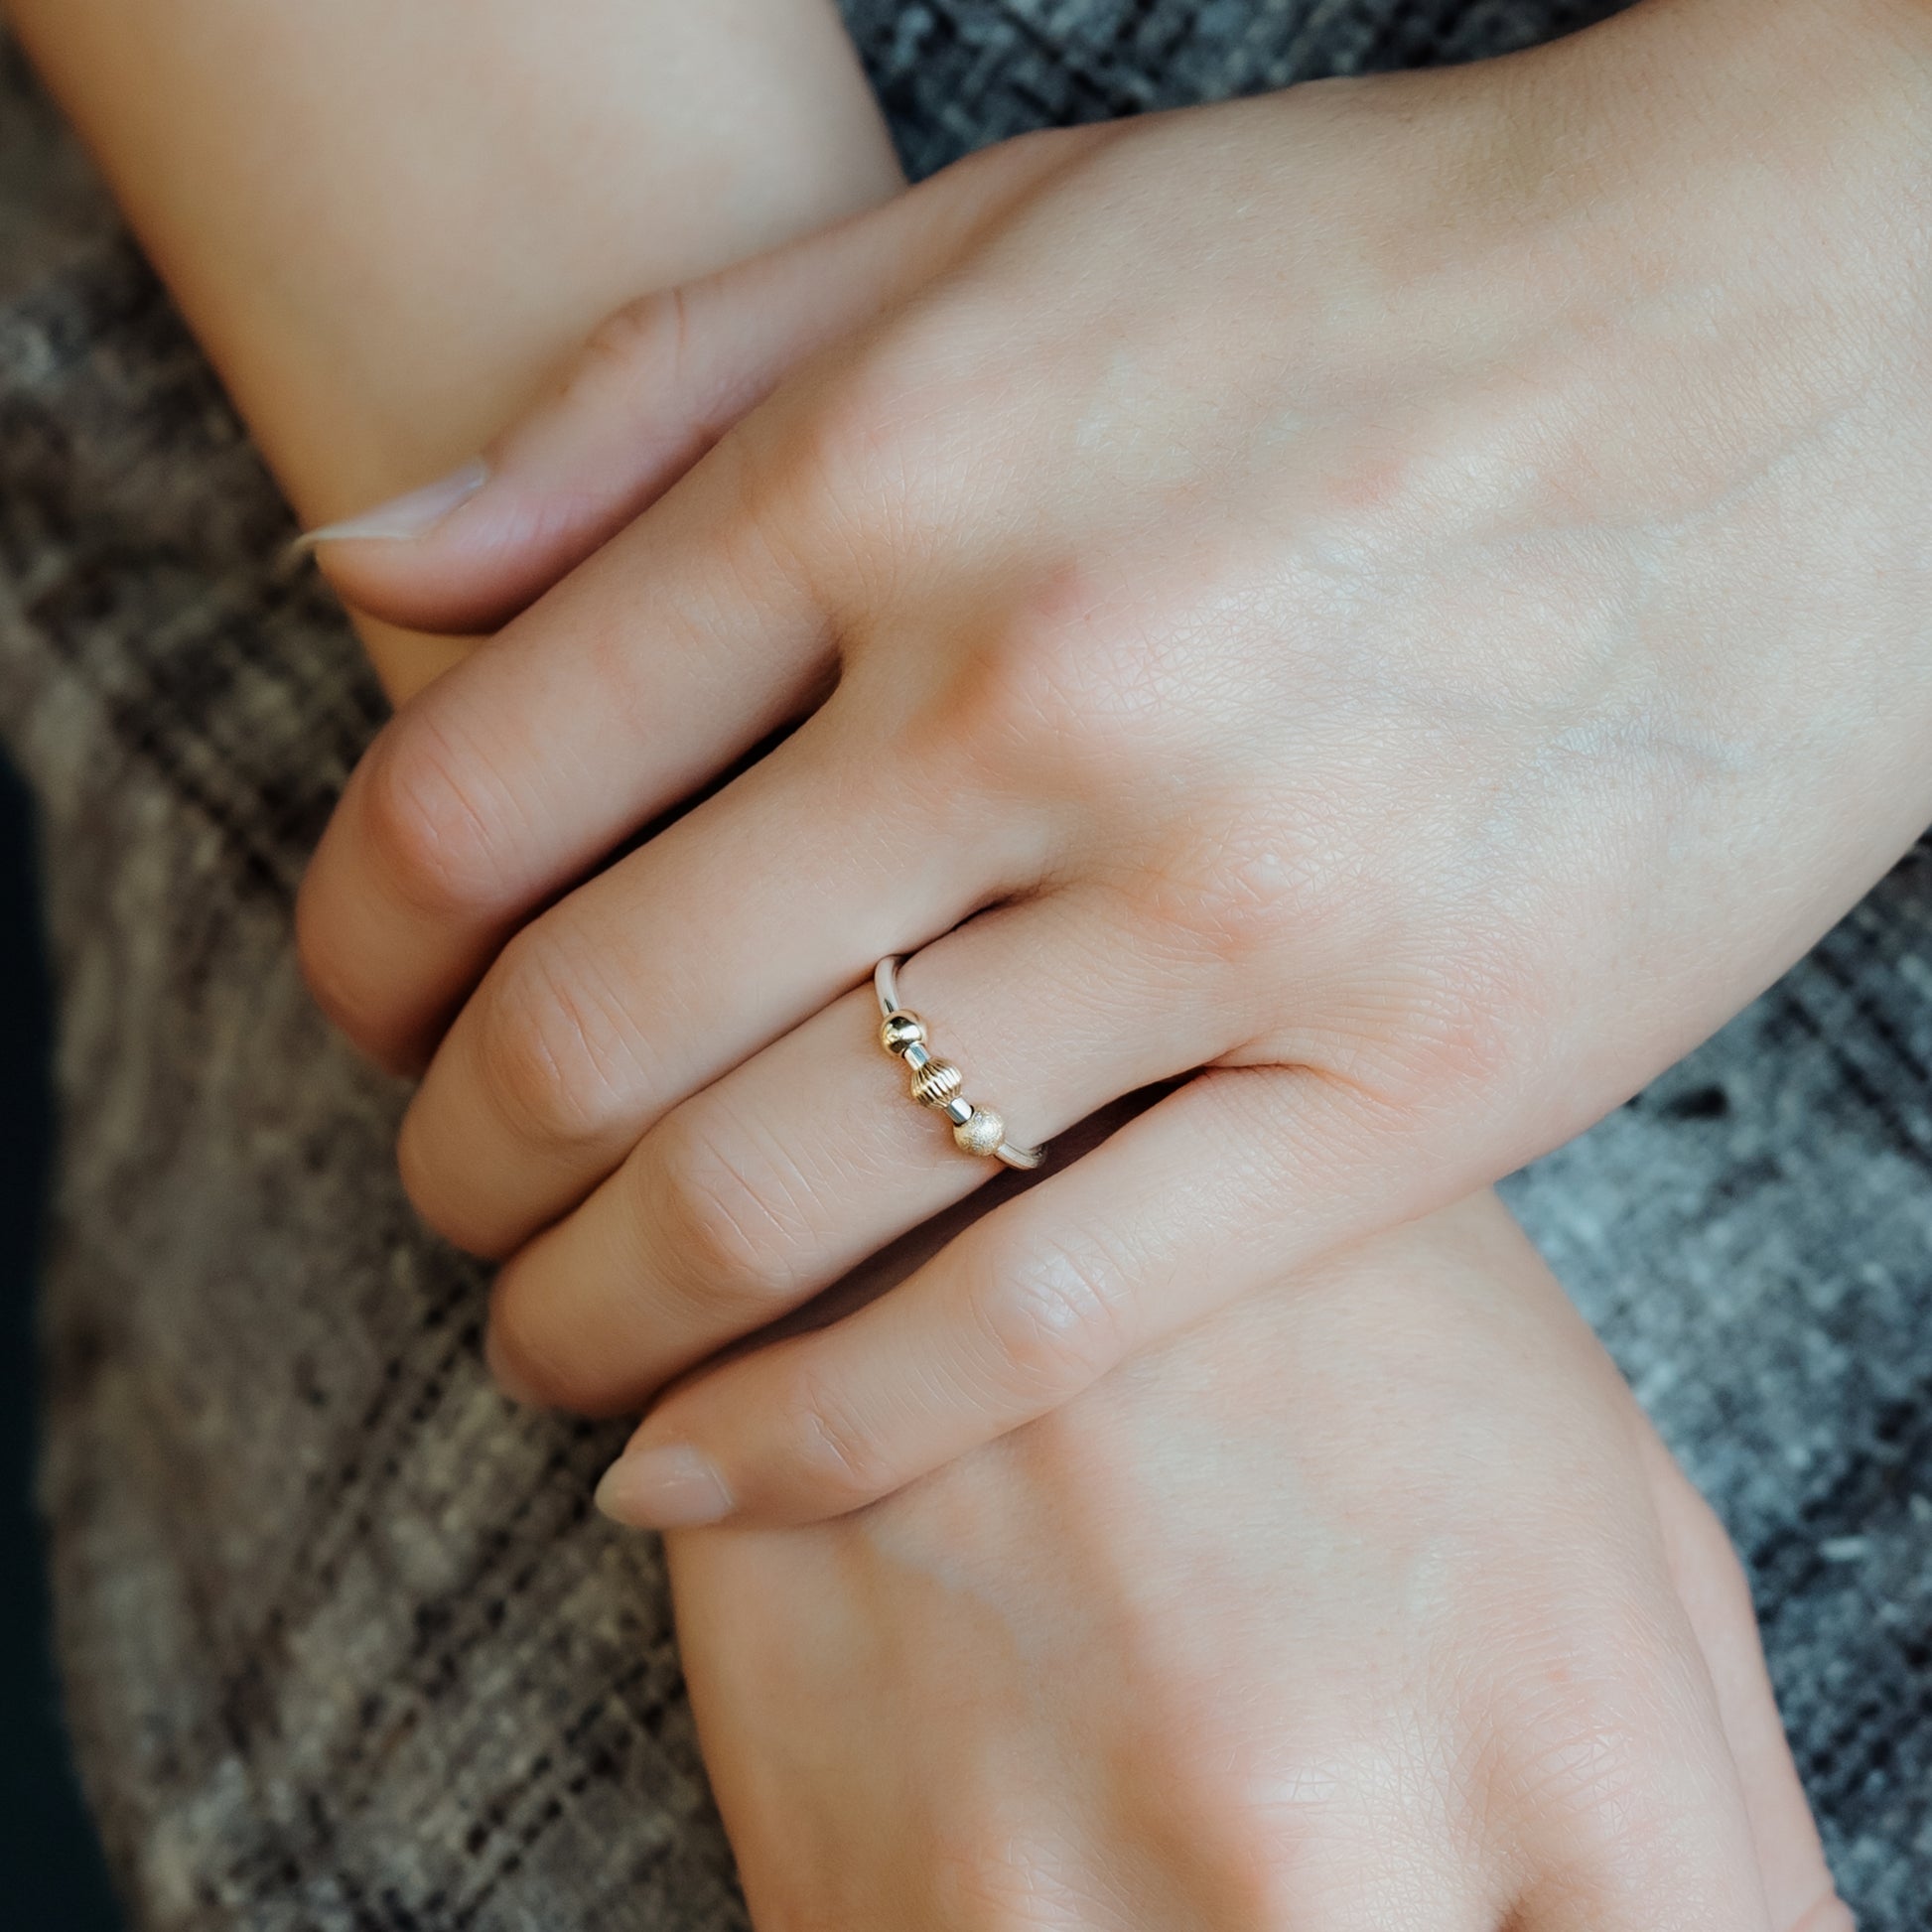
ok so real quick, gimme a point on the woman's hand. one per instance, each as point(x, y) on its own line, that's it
point(1375, 1604)
point(1410, 595)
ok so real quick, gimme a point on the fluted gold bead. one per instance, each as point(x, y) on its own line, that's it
point(936, 1082)
point(983, 1133)
point(898, 1031)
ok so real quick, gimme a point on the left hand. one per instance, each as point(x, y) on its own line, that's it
point(1408, 595)
point(1375, 1604)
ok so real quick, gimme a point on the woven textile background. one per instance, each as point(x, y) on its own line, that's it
point(345, 1649)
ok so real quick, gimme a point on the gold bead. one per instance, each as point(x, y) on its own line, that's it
point(981, 1133)
point(936, 1082)
point(898, 1031)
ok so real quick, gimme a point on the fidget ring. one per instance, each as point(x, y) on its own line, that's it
point(937, 1083)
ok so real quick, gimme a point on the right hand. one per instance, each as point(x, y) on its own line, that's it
point(1398, 607)
point(1375, 1604)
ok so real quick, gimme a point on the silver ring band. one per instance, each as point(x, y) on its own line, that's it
point(938, 1082)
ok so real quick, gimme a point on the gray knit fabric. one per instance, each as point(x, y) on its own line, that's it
point(345, 1650)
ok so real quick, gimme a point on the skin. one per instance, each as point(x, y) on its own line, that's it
point(1406, 597)
point(375, 266)
point(1479, 1658)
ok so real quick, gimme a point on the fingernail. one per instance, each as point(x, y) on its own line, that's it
point(671, 1487)
point(404, 517)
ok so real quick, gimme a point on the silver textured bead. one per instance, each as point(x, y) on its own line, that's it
point(898, 1031)
point(982, 1132)
point(936, 1082)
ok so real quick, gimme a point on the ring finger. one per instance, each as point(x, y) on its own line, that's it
point(771, 1183)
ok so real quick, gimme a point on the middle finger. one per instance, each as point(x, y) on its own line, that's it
point(657, 977)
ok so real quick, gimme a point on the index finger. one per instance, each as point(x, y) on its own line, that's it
point(622, 694)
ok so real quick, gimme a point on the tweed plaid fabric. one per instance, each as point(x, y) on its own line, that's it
point(345, 1650)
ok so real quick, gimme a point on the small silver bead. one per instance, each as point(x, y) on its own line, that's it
point(982, 1132)
point(898, 1031)
point(936, 1082)
point(959, 1110)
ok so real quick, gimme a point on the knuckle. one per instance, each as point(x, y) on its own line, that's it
point(522, 1350)
point(1418, 1035)
point(427, 1184)
point(644, 345)
point(837, 1456)
point(1053, 1322)
point(549, 1050)
point(1593, 1730)
point(1231, 892)
point(1268, 1814)
point(824, 463)
point(334, 970)
point(1058, 686)
point(428, 821)
point(864, 460)
point(1464, 1011)
point(712, 1218)
point(1379, 490)
point(1585, 1763)
point(1255, 1880)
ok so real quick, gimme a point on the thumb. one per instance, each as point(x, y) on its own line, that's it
point(656, 386)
